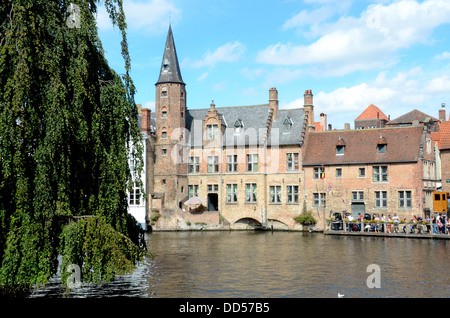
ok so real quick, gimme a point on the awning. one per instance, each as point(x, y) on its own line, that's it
point(195, 201)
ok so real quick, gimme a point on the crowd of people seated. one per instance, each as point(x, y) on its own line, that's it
point(436, 224)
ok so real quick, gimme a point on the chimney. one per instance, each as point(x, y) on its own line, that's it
point(139, 107)
point(146, 120)
point(347, 126)
point(273, 102)
point(442, 113)
point(329, 127)
point(309, 108)
point(323, 122)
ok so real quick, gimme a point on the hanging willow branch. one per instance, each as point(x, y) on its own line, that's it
point(65, 139)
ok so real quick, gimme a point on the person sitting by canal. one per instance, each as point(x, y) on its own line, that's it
point(350, 219)
point(405, 227)
point(443, 221)
point(389, 219)
point(377, 226)
point(414, 223)
point(439, 224)
point(428, 227)
point(360, 220)
point(434, 224)
point(448, 227)
point(395, 219)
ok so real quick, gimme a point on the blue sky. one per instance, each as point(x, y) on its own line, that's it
point(350, 53)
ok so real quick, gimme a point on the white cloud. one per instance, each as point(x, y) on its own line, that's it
point(439, 85)
point(202, 77)
point(394, 95)
point(306, 17)
point(153, 15)
point(314, 17)
point(364, 43)
point(442, 56)
point(229, 52)
point(221, 86)
point(252, 74)
point(150, 105)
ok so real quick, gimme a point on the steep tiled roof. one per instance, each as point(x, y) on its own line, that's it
point(372, 112)
point(436, 135)
point(403, 145)
point(445, 135)
point(408, 118)
point(170, 69)
point(254, 119)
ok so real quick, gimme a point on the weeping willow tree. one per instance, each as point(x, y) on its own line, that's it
point(68, 125)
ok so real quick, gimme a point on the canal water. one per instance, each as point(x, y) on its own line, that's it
point(244, 264)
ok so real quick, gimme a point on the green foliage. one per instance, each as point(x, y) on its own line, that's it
point(67, 124)
point(154, 218)
point(105, 252)
point(305, 219)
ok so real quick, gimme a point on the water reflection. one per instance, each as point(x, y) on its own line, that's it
point(279, 264)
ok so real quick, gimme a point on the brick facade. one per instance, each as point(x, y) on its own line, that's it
point(212, 153)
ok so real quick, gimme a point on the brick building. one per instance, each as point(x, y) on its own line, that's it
point(443, 144)
point(256, 165)
point(371, 117)
point(244, 161)
point(383, 170)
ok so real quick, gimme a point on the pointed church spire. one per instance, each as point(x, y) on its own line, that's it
point(170, 69)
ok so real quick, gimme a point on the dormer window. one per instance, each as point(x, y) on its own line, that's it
point(381, 145)
point(381, 148)
point(238, 125)
point(287, 123)
point(340, 147)
point(212, 132)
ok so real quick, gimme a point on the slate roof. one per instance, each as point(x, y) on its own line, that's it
point(292, 137)
point(408, 118)
point(254, 120)
point(403, 145)
point(372, 112)
point(170, 68)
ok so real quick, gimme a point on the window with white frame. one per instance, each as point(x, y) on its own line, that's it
point(252, 162)
point(381, 199)
point(232, 193)
point(380, 174)
point(213, 164)
point(250, 193)
point(213, 188)
point(362, 172)
point(134, 195)
point(319, 199)
point(212, 132)
point(357, 196)
point(232, 163)
point(193, 190)
point(292, 161)
point(194, 164)
point(404, 199)
point(275, 194)
point(319, 172)
point(292, 193)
